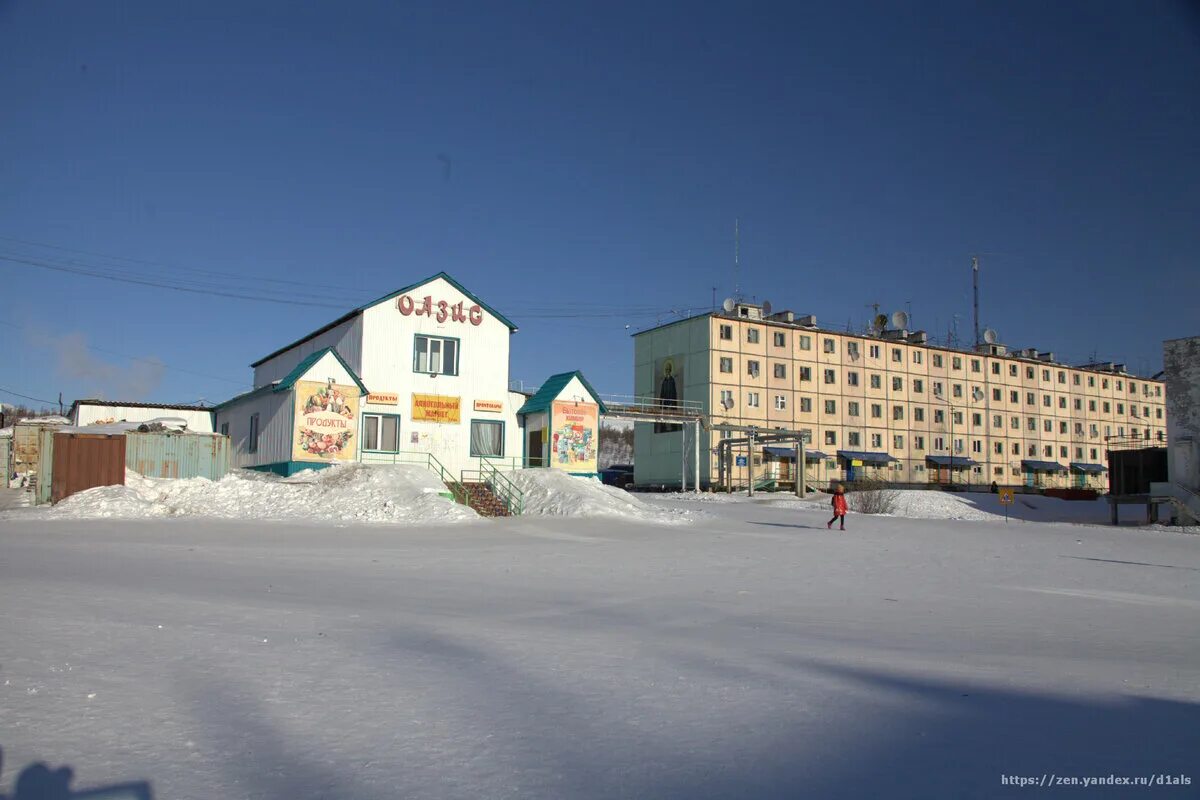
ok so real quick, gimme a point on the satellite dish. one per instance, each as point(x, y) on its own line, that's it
point(880, 322)
point(728, 305)
point(977, 394)
point(899, 320)
point(766, 308)
point(727, 403)
point(990, 336)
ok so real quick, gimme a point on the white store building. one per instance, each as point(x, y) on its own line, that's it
point(421, 370)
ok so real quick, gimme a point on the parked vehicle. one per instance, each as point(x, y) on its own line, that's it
point(619, 475)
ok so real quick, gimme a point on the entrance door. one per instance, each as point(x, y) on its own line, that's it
point(533, 449)
point(1030, 479)
point(850, 471)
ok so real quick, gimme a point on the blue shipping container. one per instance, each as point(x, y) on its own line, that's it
point(177, 455)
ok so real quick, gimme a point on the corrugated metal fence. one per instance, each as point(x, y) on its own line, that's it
point(177, 455)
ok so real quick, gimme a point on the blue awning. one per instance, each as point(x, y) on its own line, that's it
point(954, 462)
point(790, 453)
point(1043, 466)
point(1095, 469)
point(866, 458)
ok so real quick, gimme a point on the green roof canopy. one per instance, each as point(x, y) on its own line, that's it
point(551, 389)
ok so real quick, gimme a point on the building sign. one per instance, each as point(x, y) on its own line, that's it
point(490, 406)
point(441, 310)
point(326, 421)
point(435, 408)
point(575, 431)
point(384, 398)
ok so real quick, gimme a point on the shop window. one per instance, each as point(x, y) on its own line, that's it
point(381, 433)
point(726, 365)
point(487, 439)
point(727, 333)
point(435, 356)
point(252, 439)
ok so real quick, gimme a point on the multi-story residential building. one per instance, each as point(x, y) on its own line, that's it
point(887, 406)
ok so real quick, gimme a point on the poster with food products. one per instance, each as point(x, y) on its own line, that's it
point(574, 436)
point(326, 421)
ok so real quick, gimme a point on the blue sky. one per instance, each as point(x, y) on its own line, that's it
point(565, 159)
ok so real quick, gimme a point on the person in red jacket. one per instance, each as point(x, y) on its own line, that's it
point(839, 507)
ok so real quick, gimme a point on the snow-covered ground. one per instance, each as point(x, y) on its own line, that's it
point(397, 494)
point(549, 492)
point(749, 653)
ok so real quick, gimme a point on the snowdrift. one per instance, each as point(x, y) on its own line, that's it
point(398, 494)
point(552, 493)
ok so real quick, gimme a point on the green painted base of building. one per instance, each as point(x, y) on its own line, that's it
point(288, 468)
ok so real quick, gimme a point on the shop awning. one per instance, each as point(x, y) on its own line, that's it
point(954, 462)
point(866, 458)
point(1095, 469)
point(790, 453)
point(1042, 466)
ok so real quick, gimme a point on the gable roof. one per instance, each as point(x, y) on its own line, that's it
point(356, 311)
point(296, 374)
point(551, 389)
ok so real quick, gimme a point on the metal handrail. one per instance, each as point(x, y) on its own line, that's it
point(501, 486)
point(430, 462)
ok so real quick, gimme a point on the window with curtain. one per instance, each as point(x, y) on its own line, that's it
point(381, 432)
point(487, 439)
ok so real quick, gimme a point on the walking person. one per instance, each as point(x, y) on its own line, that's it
point(839, 507)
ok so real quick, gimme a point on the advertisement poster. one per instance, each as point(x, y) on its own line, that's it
point(435, 408)
point(575, 435)
point(668, 388)
point(326, 421)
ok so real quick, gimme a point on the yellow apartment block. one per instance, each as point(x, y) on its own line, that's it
point(887, 406)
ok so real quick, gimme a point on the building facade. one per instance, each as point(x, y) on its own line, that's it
point(424, 369)
point(887, 406)
point(196, 419)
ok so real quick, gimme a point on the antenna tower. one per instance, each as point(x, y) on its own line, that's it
point(737, 289)
point(975, 279)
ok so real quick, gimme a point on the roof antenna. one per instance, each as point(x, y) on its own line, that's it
point(737, 273)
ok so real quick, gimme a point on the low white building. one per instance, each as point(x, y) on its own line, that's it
point(424, 370)
point(104, 412)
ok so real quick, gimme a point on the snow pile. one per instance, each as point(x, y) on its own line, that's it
point(397, 494)
point(928, 504)
point(552, 493)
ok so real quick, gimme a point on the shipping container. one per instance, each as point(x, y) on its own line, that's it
point(82, 461)
point(26, 449)
point(177, 455)
point(5, 449)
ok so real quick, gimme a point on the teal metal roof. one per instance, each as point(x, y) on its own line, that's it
point(355, 312)
point(306, 364)
point(551, 389)
point(296, 374)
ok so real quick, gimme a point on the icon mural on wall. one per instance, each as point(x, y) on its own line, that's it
point(668, 388)
point(575, 428)
point(326, 421)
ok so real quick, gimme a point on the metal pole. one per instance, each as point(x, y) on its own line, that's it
point(801, 488)
point(750, 465)
point(683, 458)
point(696, 447)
